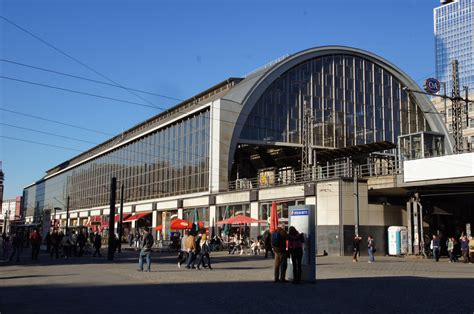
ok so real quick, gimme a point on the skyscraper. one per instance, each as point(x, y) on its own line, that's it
point(454, 39)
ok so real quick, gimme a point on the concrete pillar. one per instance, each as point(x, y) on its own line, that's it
point(254, 207)
point(410, 231)
point(180, 213)
point(154, 222)
point(212, 215)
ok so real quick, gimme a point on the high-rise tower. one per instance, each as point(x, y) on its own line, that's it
point(454, 39)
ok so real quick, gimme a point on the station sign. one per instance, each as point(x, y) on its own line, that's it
point(432, 85)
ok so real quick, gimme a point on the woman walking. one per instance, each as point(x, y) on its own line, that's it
point(371, 248)
point(204, 253)
point(295, 247)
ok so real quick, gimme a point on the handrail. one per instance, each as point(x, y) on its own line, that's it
point(284, 178)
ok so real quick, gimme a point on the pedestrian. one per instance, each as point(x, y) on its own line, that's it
point(81, 242)
point(204, 253)
point(97, 244)
point(371, 248)
point(435, 246)
point(464, 248)
point(137, 239)
point(7, 247)
point(356, 247)
point(471, 250)
point(268, 244)
point(295, 248)
point(145, 252)
point(183, 254)
point(130, 239)
point(66, 244)
point(74, 243)
point(191, 249)
point(55, 240)
point(48, 241)
point(16, 244)
point(279, 237)
point(35, 240)
point(450, 247)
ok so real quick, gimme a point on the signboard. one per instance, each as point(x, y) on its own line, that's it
point(431, 85)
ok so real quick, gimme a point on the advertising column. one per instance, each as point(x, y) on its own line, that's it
point(302, 217)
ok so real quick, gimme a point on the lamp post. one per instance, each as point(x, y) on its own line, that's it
point(120, 226)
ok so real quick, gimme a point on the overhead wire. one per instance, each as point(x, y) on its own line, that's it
point(72, 58)
point(89, 80)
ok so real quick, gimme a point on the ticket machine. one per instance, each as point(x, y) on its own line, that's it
point(302, 217)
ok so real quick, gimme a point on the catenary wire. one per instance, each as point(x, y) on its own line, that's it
point(88, 79)
point(72, 58)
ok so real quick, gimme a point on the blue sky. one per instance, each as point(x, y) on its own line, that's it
point(174, 48)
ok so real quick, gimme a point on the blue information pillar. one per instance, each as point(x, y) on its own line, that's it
point(302, 217)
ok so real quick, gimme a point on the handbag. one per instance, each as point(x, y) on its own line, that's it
point(374, 250)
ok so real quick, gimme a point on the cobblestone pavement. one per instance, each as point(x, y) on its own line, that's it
point(238, 284)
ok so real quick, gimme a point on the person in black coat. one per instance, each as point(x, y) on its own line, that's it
point(97, 244)
point(356, 247)
point(268, 244)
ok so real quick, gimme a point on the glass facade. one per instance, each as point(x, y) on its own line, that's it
point(353, 101)
point(454, 39)
point(170, 161)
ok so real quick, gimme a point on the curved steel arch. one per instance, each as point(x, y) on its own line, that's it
point(248, 92)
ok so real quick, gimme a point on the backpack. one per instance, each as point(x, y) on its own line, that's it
point(277, 240)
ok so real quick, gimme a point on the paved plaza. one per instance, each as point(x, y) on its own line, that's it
point(238, 284)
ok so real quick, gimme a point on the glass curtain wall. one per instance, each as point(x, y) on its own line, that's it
point(170, 161)
point(353, 101)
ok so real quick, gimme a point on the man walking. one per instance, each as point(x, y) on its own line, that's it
point(436, 247)
point(35, 240)
point(55, 244)
point(145, 252)
point(279, 247)
point(97, 244)
point(16, 242)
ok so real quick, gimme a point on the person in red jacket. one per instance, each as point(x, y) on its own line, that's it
point(35, 240)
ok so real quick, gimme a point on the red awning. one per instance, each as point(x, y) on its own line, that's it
point(136, 216)
point(125, 216)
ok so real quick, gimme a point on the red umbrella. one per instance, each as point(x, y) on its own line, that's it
point(273, 217)
point(159, 228)
point(239, 220)
point(181, 224)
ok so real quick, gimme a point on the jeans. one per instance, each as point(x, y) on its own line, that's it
point(371, 255)
point(436, 253)
point(54, 249)
point(201, 260)
point(296, 257)
point(451, 256)
point(267, 249)
point(16, 251)
point(35, 249)
point(280, 266)
point(145, 254)
point(191, 259)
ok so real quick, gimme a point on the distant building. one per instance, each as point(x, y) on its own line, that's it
point(10, 213)
point(454, 39)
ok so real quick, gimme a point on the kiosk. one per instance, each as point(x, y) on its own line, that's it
point(302, 217)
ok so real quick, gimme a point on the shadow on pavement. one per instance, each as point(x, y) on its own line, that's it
point(368, 295)
point(35, 276)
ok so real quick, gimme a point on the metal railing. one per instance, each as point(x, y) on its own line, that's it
point(372, 169)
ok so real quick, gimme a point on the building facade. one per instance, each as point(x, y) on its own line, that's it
point(238, 147)
point(454, 39)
